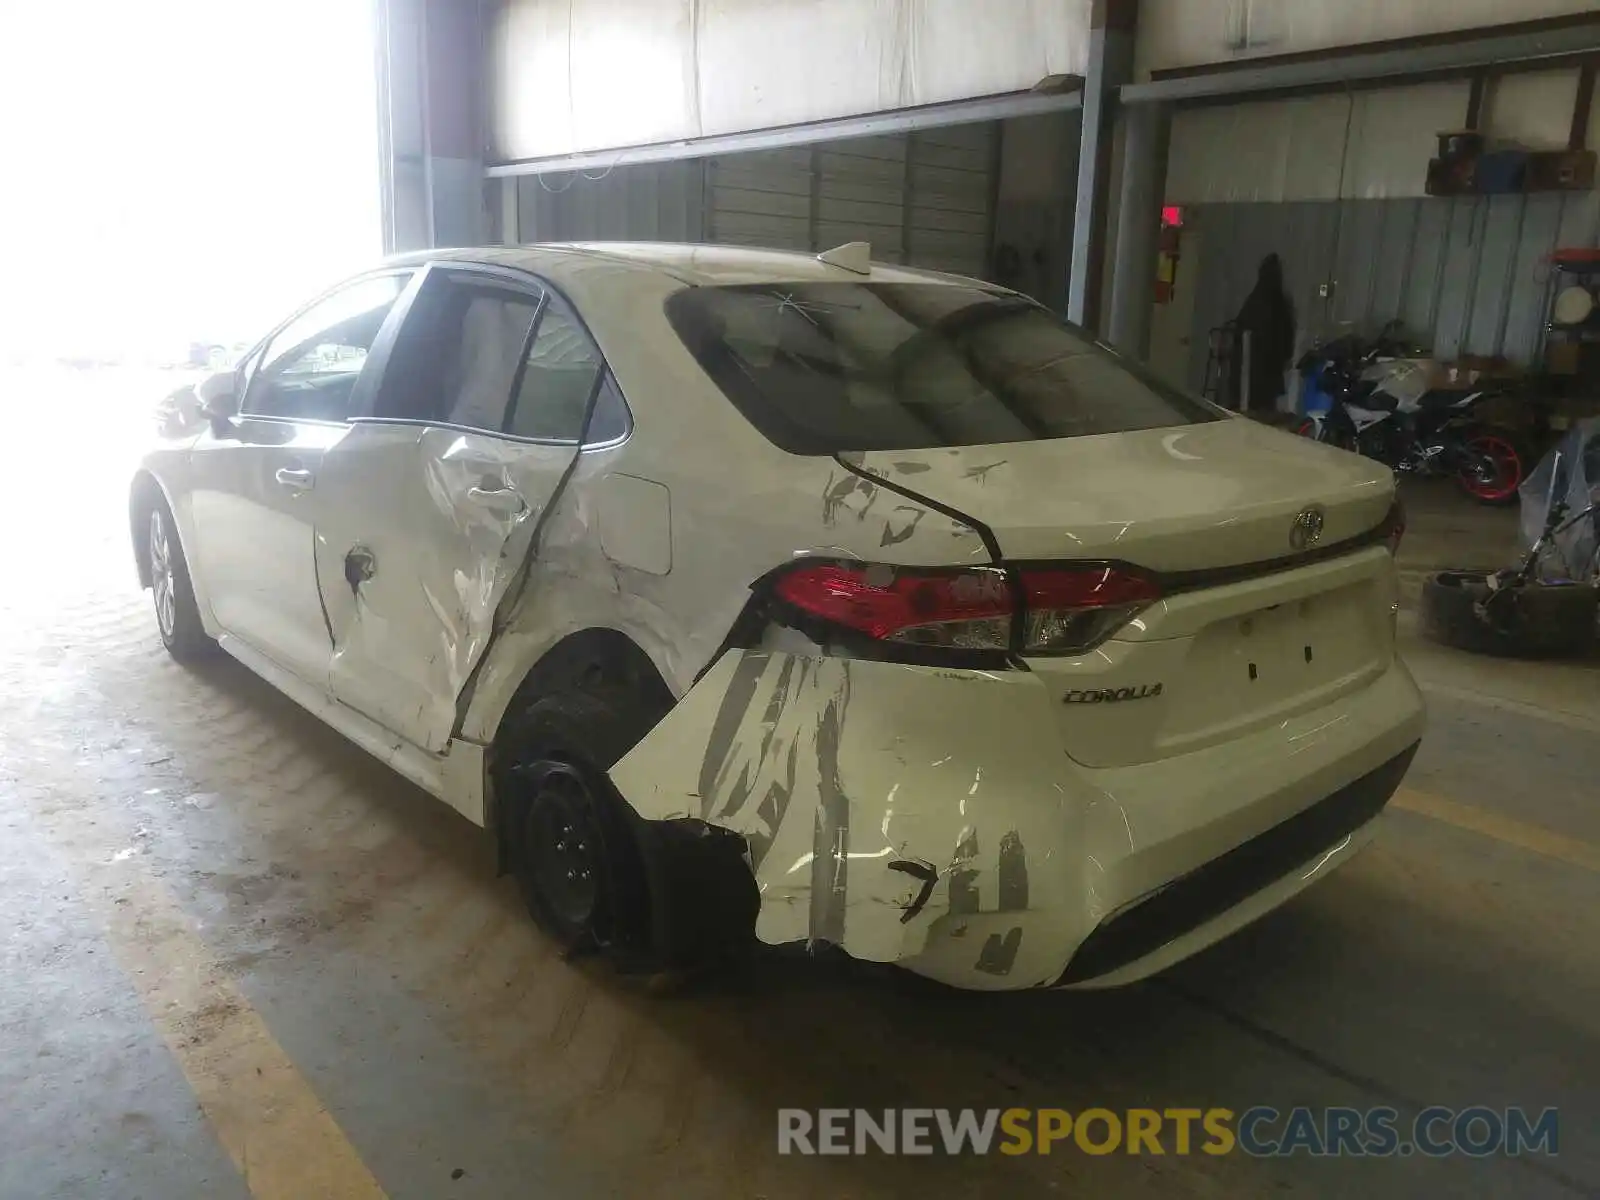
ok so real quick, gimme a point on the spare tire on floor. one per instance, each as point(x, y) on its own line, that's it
point(1540, 620)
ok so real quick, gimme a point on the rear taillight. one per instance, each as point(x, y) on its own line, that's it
point(1394, 526)
point(1068, 609)
point(1073, 610)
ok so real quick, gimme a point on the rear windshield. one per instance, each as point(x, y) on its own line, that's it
point(825, 367)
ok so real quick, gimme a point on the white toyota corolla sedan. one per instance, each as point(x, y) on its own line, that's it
point(745, 594)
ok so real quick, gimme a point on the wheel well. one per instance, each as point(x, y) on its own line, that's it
point(588, 657)
point(580, 660)
point(142, 500)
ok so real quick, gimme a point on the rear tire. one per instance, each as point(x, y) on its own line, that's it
point(177, 613)
point(1539, 620)
point(668, 895)
point(567, 831)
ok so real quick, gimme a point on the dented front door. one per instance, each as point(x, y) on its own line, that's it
point(428, 508)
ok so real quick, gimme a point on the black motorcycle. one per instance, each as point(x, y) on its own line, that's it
point(1380, 406)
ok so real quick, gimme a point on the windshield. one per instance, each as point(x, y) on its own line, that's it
point(825, 367)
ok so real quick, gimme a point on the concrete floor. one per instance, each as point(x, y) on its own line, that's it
point(240, 958)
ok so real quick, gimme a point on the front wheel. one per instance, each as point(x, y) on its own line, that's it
point(177, 614)
point(1490, 469)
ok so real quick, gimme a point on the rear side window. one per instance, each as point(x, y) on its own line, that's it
point(480, 372)
point(458, 353)
point(561, 373)
point(824, 367)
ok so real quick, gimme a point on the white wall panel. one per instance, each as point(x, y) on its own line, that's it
point(1533, 110)
point(1185, 33)
point(1393, 134)
point(1274, 150)
point(1594, 122)
point(582, 75)
point(1315, 133)
point(611, 74)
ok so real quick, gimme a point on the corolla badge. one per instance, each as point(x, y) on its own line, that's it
point(1307, 529)
point(1147, 691)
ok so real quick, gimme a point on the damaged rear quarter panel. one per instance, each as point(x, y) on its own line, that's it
point(735, 506)
point(853, 781)
point(728, 529)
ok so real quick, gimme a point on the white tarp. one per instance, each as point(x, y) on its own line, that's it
point(1568, 475)
point(581, 75)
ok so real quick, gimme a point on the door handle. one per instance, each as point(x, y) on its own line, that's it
point(298, 479)
point(500, 500)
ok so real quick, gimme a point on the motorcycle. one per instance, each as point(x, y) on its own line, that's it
point(1379, 405)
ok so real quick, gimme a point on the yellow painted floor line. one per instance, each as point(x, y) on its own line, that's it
point(1501, 829)
point(283, 1141)
point(266, 1116)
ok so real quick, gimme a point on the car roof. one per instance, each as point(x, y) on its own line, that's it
point(697, 265)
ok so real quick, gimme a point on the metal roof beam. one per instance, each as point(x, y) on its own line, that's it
point(928, 116)
point(1340, 70)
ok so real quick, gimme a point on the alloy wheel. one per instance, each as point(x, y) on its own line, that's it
point(161, 579)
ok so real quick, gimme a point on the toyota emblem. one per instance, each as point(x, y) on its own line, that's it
point(1307, 529)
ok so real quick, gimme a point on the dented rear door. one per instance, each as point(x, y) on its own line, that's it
point(429, 508)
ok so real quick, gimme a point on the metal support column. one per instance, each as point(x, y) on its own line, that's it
point(1113, 25)
point(430, 118)
point(1147, 134)
point(507, 229)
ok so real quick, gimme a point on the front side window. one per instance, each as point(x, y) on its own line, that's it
point(821, 368)
point(308, 370)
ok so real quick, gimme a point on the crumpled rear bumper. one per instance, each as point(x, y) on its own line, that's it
point(931, 818)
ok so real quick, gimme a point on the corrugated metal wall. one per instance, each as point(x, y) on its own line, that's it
point(1465, 275)
point(953, 176)
point(926, 198)
point(861, 194)
point(761, 199)
point(647, 202)
point(1364, 146)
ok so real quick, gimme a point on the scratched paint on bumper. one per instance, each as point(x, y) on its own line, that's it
point(843, 773)
point(836, 770)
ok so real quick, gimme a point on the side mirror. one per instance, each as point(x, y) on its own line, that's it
point(219, 402)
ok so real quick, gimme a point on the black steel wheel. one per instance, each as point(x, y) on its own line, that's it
point(654, 895)
point(561, 860)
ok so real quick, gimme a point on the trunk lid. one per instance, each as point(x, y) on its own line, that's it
point(1190, 498)
point(1206, 663)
